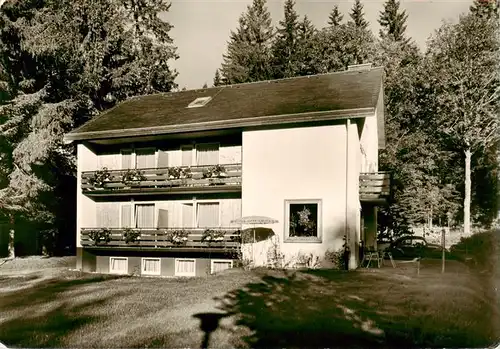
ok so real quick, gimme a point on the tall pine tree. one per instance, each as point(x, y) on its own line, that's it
point(307, 48)
point(285, 55)
point(359, 42)
point(393, 21)
point(358, 16)
point(249, 56)
point(335, 17)
point(69, 61)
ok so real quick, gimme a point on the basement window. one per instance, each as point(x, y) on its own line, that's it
point(199, 102)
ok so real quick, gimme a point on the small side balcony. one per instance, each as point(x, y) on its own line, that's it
point(175, 180)
point(172, 239)
point(375, 187)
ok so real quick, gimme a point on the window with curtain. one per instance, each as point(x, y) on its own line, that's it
point(185, 267)
point(118, 265)
point(144, 216)
point(208, 215)
point(220, 265)
point(145, 158)
point(207, 154)
point(151, 266)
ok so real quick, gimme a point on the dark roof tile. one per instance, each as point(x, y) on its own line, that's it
point(317, 93)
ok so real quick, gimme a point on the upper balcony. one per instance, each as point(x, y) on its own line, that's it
point(173, 180)
point(375, 187)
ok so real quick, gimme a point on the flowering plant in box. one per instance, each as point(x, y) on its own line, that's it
point(100, 235)
point(216, 171)
point(133, 175)
point(100, 177)
point(177, 236)
point(212, 235)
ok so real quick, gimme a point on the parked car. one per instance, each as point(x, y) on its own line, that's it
point(409, 247)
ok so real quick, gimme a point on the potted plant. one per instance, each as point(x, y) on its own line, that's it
point(177, 237)
point(133, 175)
point(213, 236)
point(100, 235)
point(99, 178)
point(130, 235)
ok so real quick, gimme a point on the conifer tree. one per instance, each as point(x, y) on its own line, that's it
point(285, 55)
point(358, 16)
point(249, 56)
point(335, 17)
point(307, 48)
point(65, 62)
point(358, 40)
point(217, 78)
point(393, 21)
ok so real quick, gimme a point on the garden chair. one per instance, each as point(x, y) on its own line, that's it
point(370, 255)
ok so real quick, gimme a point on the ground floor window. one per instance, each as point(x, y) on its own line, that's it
point(118, 265)
point(151, 266)
point(185, 267)
point(218, 265)
point(303, 220)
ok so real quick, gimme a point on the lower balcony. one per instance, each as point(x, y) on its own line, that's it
point(179, 239)
point(375, 187)
point(174, 180)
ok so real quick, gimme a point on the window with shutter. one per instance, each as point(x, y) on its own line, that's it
point(162, 218)
point(107, 215)
point(126, 219)
point(145, 158)
point(207, 154)
point(126, 159)
point(187, 155)
point(187, 216)
point(162, 158)
point(208, 215)
point(185, 267)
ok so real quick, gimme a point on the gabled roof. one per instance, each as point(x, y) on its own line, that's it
point(309, 98)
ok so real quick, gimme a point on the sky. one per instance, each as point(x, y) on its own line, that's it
point(202, 27)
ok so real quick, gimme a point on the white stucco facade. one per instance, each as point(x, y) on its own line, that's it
point(302, 163)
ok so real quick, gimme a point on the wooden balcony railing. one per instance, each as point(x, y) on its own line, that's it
point(220, 239)
point(217, 178)
point(375, 187)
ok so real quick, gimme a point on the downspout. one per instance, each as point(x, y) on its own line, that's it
point(346, 228)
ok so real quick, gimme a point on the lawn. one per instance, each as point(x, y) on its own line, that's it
point(263, 308)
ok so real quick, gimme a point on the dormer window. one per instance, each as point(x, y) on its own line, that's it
point(199, 102)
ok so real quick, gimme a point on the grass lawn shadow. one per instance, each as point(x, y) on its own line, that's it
point(44, 315)
point(362, 309)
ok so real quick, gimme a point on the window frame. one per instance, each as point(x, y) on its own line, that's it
point(220, 260)
point(155, 155)
point(134, 216)
point(207, 144)
point(319, 226)
point(185, 274)
point(118, 272)
point(197, 203)
point(143, 260)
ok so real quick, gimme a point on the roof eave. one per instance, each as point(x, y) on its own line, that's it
point(226, 124)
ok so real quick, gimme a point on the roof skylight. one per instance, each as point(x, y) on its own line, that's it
point(199, 102)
